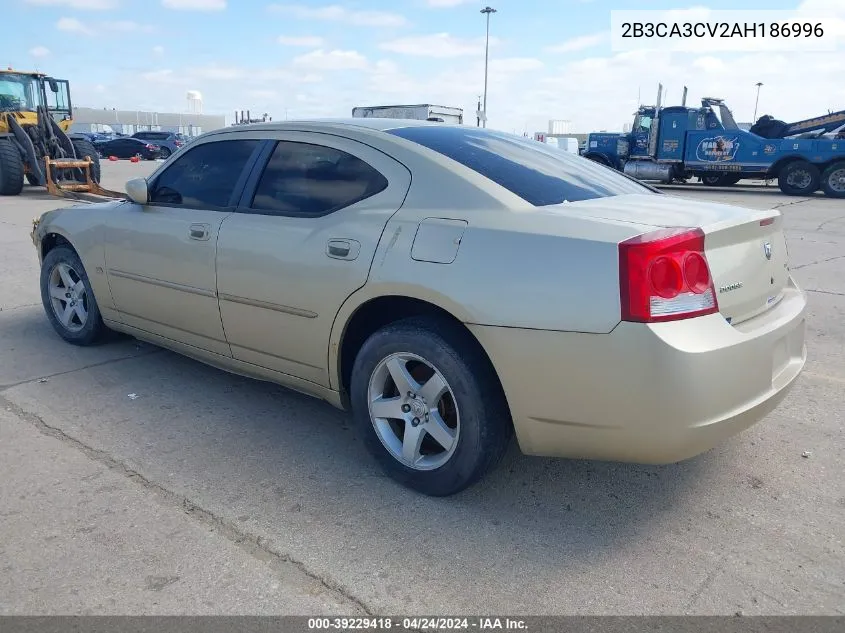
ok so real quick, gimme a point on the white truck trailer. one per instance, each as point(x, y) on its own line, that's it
point(420, 112)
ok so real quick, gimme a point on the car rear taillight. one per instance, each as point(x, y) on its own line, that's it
point(178, 143)
point(150, 146)
point(664, 276)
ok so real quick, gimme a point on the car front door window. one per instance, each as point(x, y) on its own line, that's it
point(205, 176)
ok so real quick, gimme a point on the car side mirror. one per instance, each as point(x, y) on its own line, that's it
point(138, 191)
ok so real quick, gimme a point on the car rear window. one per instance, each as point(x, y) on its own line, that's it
point(536, 172)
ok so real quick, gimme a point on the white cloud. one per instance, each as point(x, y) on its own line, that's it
point(194, 5)
point(515, 65)
point(263, 94)
point(331, 60)
point(217, 73)
point(39, 51)
point(158, 51)
point(164, 75)
point(72, 25)
point(447, 3)
point(337, 13)
point(580, 43)
point(103, 28)
point(311, 41)
point(126, 26)
point(80, 5)
point(439, 45)
point(709, 64)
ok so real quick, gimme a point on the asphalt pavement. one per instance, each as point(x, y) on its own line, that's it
point(208, 493)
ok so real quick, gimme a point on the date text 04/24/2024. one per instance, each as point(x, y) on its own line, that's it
point(416, 624)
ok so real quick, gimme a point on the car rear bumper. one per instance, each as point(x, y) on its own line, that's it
point(656, 393)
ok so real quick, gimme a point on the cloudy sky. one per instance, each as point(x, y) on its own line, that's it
point(549, 59)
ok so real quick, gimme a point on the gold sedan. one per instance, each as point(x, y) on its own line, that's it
point(450, 285)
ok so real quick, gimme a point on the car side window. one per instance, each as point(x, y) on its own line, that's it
point(204, 176)
point(312, 180)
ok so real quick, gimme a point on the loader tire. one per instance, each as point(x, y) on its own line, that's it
point(833, 180)
point(86, 148)
point(11, 169)
point(799, 178)
point(32, 180)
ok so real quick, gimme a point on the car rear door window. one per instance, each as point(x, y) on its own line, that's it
point(204, 176)
point(539, 174)
point(304, 179)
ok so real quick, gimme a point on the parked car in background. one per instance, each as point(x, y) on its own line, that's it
point(451, 285)
point(169, 142)
point(128, 147)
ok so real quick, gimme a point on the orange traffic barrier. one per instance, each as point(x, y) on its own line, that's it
point(134, 159)
point(112, 158)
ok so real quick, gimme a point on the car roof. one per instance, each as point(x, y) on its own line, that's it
point(367, 123)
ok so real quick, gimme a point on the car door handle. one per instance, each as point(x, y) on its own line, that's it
point(199, 231)
point(343, 249)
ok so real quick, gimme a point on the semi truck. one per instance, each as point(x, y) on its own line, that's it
point(419, 112)
point(676, 143)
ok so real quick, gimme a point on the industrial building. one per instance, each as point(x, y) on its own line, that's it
point(191, 123)
point(131, 121)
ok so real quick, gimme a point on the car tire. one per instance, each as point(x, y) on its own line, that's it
point(165, 153)
point(833, 180)
point(11, 169)
point(463, 431)
point(61, 272)
point(85, 149)
point(799, 178)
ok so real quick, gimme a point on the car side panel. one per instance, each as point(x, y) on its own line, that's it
point(84, 227)
point(162, 279)
point(555, 273)
point(278, 287)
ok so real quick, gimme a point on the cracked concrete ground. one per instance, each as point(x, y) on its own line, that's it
point(210, 493)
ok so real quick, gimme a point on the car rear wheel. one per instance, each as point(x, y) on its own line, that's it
point(165, 152)
point(799, 178)
point(430, 406)
point(833, 180)
point(68, 298)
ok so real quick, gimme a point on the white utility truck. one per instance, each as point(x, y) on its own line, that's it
point(420, 112)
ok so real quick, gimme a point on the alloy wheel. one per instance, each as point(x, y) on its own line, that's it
point(413, 411)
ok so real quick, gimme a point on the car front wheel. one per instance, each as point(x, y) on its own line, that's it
point(68, 298)
point(430, 406)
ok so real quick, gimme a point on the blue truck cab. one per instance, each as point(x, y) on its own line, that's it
point(676, 143)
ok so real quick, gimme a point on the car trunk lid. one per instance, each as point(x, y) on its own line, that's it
point(745, 248)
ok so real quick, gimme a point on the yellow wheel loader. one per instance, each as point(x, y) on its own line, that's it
point(35, 117)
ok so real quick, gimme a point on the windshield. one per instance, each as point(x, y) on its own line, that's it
point(18, 93)
point(643, 123)
point(534, 171)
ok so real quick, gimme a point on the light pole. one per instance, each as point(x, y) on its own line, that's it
point(487, 11)
point(754, 120)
